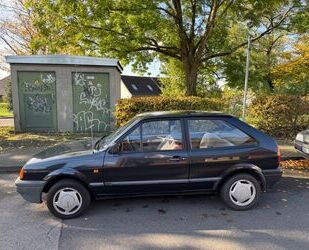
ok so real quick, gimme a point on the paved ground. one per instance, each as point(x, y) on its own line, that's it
point(281, 221)
point(4, 122)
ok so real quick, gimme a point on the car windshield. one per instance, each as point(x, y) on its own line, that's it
point(109, 138)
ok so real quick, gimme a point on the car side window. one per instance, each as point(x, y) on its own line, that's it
point(132, 142)
point(162, 135)
point(215, 134)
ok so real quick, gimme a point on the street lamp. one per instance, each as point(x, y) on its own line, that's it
point(244, 105)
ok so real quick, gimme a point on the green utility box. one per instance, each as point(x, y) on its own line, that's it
point(64, 93)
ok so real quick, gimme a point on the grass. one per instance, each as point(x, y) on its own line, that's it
point(10, 139)
point(4, 112)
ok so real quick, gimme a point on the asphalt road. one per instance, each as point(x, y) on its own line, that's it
point(281, 221)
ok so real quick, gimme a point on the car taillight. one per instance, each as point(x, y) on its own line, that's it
point(21, 173)
point(278, 153)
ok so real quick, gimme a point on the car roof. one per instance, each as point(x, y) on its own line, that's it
point(183, 113)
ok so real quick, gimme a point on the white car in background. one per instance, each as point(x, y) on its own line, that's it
point(302, 143)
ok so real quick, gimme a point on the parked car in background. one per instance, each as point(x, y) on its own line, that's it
point(302, 143)
point(157, 153)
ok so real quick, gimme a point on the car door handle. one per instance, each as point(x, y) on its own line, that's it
point(177, 158)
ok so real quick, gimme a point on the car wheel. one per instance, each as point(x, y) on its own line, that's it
point(68, 199)
point(241, 192)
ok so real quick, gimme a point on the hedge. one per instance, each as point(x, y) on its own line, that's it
point(280, 116)
point(128, 108)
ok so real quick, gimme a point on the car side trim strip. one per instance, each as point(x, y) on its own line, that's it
point(96, 184)
point(154, 182)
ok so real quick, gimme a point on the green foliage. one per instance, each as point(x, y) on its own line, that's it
point(280, 116)
point(233, 98)
point(195, 33)
point(4, 110)
point(128, 108)
point(173, 84)
point(264, 56)
point(8, 95)
point(292, 73)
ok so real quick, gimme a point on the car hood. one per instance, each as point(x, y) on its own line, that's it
point(63, 151)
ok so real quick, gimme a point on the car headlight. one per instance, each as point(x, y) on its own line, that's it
point(300, 137)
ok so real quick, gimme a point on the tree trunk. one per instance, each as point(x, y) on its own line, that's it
point(191, 71)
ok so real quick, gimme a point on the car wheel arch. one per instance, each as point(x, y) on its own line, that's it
point(53, 179)
point(251, 169)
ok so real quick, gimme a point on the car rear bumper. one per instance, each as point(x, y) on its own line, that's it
point(30, 190)
point(272, 176)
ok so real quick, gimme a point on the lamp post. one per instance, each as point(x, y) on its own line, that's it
point(244, 106)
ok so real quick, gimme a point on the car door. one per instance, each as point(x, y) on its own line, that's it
point(152, 158)
point(215, 145)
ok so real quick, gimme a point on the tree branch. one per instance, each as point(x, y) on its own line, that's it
point(271, 27)
point(8, 44)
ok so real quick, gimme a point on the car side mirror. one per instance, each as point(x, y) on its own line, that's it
point(115, 148)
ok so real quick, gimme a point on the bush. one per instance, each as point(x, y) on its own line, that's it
point(8, 95)
point(280, 116)
point(4, 110)
point(128, 108)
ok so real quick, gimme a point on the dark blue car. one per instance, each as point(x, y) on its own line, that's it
point(160, 153)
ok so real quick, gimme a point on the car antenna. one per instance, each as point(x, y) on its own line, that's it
point(92, 139)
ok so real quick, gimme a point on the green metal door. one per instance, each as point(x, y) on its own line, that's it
point(91, 108)
point(37, 101)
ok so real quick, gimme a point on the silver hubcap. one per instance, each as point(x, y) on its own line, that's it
point(67, 201)
point(242, 192)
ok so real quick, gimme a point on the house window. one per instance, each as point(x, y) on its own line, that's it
point(134, 87)
point(149, 87)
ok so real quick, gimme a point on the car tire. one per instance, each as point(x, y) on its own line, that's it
point(241, 192)
point(68, 199)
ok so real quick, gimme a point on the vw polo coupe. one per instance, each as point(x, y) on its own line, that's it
point(159, 153)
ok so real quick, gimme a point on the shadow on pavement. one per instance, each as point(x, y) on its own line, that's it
point(281, 220)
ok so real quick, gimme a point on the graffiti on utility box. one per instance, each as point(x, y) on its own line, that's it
point(91, 102)
point(37, 93)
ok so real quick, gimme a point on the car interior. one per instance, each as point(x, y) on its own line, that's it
point(167, 135)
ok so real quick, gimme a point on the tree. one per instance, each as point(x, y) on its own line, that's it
point(16, 30)
point(173, 81)
point(16, 27)
point(193, 32)
point(264, 56)
point(292, 74)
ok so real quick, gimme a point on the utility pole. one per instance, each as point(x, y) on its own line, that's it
point(246, 80)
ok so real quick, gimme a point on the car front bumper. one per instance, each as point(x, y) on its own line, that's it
point(30, 190)
point(302, 148)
